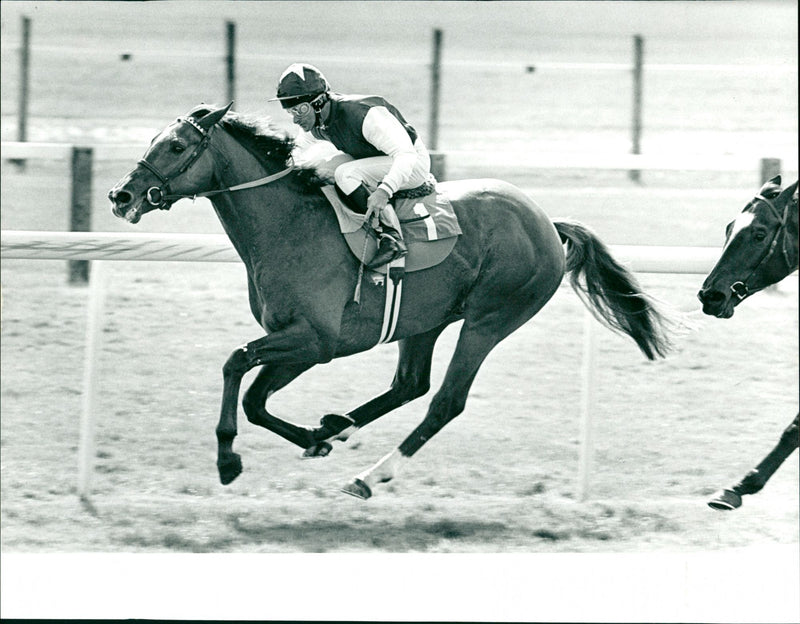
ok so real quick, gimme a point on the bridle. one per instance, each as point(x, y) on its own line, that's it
point(740, 288)
point(162, 198)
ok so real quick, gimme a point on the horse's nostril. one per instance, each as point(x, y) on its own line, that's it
point(710, 296)
point(120, 197)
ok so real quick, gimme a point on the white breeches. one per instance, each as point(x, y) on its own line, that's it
point(351, 173)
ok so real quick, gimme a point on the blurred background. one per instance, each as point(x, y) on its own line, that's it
point(546, 95)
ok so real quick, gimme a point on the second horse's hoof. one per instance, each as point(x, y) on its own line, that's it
point(229, 468)
point(725, 500)
point(318, 450)
point(357, 488)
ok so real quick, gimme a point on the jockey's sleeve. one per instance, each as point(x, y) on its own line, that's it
point(386, 133)
point(303, 141)
point(309, 151)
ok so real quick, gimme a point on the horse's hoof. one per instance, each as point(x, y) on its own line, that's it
point(357, 488)
point(318, 450)
point(229, 468)
point(725, 500)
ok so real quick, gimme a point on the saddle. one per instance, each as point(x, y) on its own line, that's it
point(430, 227)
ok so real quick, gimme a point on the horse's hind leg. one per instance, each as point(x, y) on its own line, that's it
point(757, 478)
point(411, 381)
point(474, 344)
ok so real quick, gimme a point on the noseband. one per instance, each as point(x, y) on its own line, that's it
point(160, 196)
point(740, 288)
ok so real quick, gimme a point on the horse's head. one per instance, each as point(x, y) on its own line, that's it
point(177, 164)
point(760, 250)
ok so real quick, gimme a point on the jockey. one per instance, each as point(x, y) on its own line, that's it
point(385, 153)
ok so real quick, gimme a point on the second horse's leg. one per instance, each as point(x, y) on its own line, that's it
point(755, 480)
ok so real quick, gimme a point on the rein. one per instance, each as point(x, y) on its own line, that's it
point(160, 196)
point(740, 288)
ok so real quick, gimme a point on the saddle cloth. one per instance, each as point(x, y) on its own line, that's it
point(430, 229)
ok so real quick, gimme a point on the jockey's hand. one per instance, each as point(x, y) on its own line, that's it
point(376, 203)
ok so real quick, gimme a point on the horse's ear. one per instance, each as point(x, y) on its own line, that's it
point(772, 188)
point(213, 117)
point(792, 190)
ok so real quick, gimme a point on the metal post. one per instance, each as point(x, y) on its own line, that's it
point(81, 207)
point(231, 60)
point(24, 66)
point(438, 166)
point(588, 388)
point(636, 127)
point(94, 336)
point(770, 167)
point(24, 69)
point(436, 68)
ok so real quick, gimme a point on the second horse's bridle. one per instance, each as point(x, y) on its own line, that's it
point(740, 288)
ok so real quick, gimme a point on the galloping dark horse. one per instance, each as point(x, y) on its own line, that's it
point(761, 248)
point(506, 265)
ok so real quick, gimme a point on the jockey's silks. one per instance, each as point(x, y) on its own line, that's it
point(344, 127)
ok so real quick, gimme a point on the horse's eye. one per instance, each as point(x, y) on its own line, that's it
point(177, 148)
point(759, 235)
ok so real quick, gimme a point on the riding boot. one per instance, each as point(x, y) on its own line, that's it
point(355, 201)
point(390, 239)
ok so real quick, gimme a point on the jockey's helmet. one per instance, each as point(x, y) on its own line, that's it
point(301, 82)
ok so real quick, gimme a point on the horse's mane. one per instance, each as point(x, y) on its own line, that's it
point(267, 144)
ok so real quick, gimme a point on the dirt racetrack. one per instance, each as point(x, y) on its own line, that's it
point(502, 477)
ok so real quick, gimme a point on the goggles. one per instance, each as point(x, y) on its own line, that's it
point(299, 110)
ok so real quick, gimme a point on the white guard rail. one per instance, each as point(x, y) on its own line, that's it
point(111, 246)
point(218, 248)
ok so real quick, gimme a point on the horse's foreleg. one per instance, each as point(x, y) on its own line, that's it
point(294, 347)
point(411, 381)
point(269, 380)
point(757, 478)
point(472, 348)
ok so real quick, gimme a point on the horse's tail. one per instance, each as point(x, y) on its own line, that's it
point(610, 291)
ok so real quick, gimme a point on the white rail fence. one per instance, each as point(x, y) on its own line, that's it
point(102, 247)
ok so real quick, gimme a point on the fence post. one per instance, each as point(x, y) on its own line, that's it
point(81, 207)
point(636, 126)
point(94, 337)
point(438, 166)
point(231, 60)
point(588, 391)
point(24, 69)
point(436, 68)
point(770, 167)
